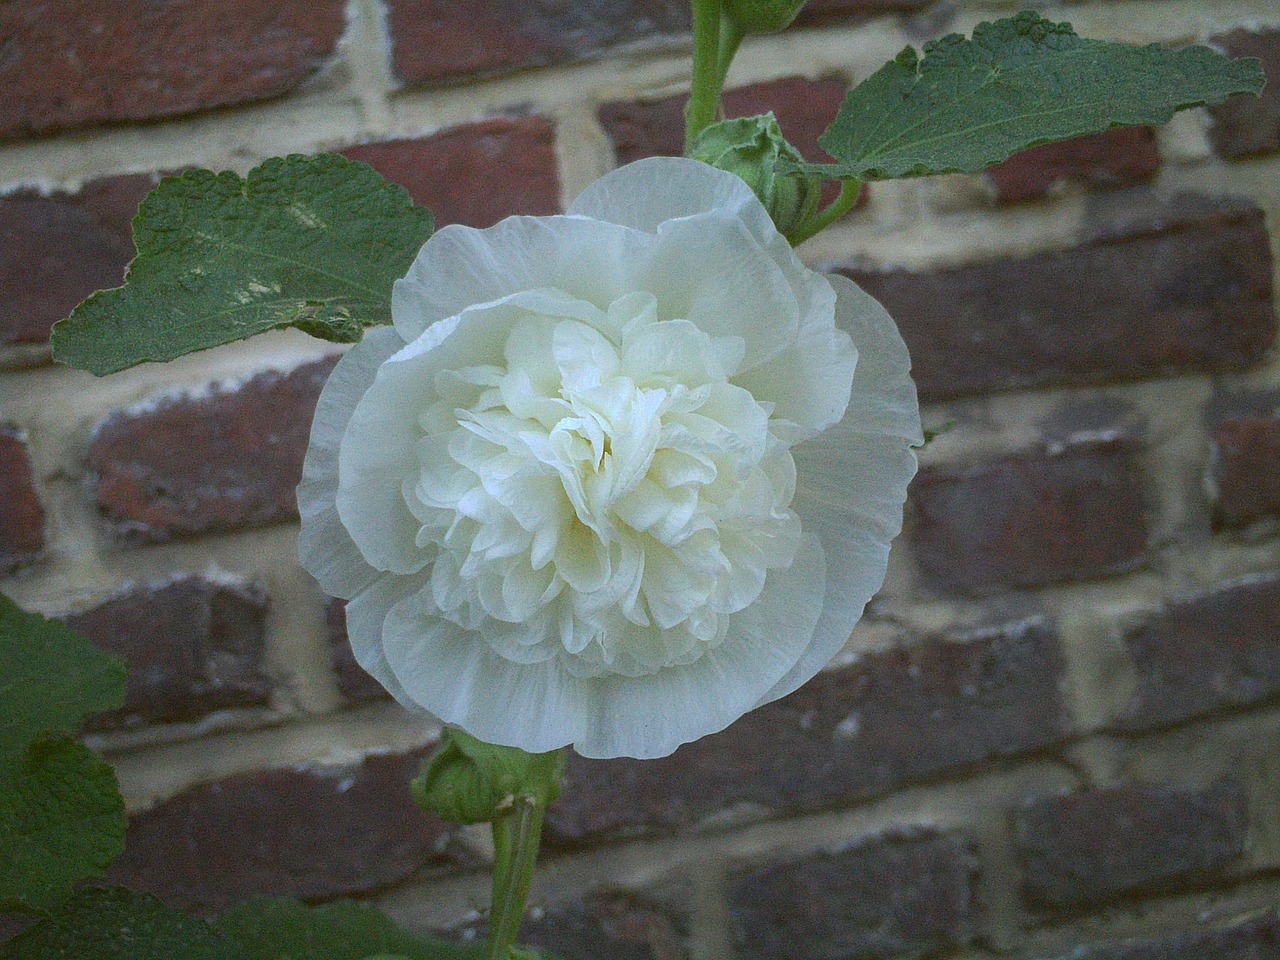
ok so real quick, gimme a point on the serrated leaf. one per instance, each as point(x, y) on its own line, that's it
point(313, 242)
point(1019, 82)
point(288, 929)
point(116, 924)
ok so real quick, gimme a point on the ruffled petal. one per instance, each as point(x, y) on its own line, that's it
point(324, 546)
point(366, 621)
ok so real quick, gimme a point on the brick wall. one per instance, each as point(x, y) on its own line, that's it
point(1057, 729)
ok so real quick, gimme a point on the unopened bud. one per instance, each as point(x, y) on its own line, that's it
point(469, 781)
point(762, 16)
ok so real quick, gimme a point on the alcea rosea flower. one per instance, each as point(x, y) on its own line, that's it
point(613, 478)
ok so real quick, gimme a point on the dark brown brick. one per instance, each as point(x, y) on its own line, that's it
point(192, 646)
point(1255, 938)
point(21, 516)
point(1186, 288)
point(887, 898)
point(226, 460)
point(311, 833)
point(1216, 651)
point(442, 41)
point(353, 682)
point(57, 249)
point(1086, 848)
point(75, 63)
point(476, 174)
point(894, 718)
point(1244, 126)
point(1119, 157)
point(1028, 520)
point(1246, 451)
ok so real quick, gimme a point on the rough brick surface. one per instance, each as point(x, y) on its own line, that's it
point(890, 897)
point(192, 646)
point(1187, 287)
point(1118, 157)
point(1212, 652)
point(56, 250)
point(226, 460)
point(1246, 450)
point(1256, 938)
point(1244, 126)
point(315, 834)
point(73, 63)
point(894, 718)
point(442, 41)
point(475, 174)
point(353, 682)
point(1028, 520)
point(21, 516)
point(1086, 848)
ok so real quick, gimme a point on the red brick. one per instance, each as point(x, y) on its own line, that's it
point(1028, 520)
point(1087, 848)
point(894, 718)
point(1244, 126)
point(1217, 651)
point(353, 682)
point(312, 833)
point(1246, 451)
point(443, 41)
point(893, 896)
point(75, 63)
point(1254, 938)
point(1119, 157)
point(241, 451)
point(21, 516)
point(192, 646)
point(55, 250)
point(1185, 288)
point(476, 174)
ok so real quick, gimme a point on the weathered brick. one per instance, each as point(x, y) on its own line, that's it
point(442, 41)
point(1028, 520)
point(894, 718)
point(192, 646)
point(1119, 157)
point(1087, 848)
point(74, 63)
point(1187, 287)
point(224, 460)
point(1246, 447)
point(21, 516)
point(1254, 938)
point(1212, 652)
point(1244, 126)
point(312, 833)
point(57, 249)
point(889, 897)
point(353, 682)
point(475, 174)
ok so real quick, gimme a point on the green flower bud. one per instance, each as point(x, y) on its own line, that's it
point(751, 148)
point(762, 16)
point(469, 781)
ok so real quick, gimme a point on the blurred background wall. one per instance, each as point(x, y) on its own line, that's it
point(1058, 726)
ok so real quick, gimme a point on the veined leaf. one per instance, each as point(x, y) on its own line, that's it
point(967, 104)
point(309, 242)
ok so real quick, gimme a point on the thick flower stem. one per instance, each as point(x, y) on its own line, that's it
point(704, 99)
point(837, 208)
point(516, 835)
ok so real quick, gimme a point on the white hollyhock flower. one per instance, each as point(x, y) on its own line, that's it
point(614, 478)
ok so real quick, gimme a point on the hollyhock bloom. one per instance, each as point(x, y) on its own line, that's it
point(613, 478)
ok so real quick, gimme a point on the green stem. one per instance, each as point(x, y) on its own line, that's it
point(704, 98)
point(730, 39)
point(838, 207)
point(516, 835)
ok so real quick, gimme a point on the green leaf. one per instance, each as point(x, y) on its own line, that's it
point(115, 924)
point(1019, 82)
point(309, 242)
point(61, 815)
point(288, 929)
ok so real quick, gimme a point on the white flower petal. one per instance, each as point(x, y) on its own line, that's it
point(366, 619)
